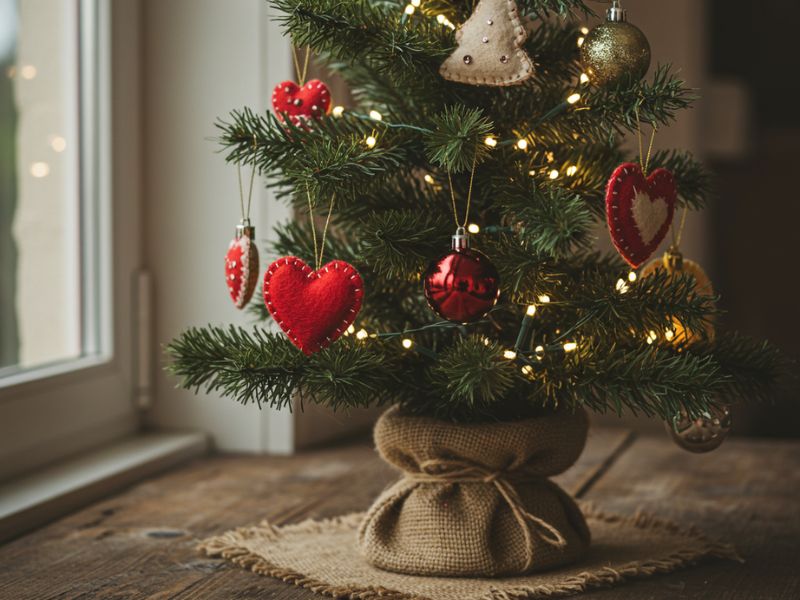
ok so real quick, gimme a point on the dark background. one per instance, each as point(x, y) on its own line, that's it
point(754, 220)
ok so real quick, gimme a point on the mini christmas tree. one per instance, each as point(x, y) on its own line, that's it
point(543, 152)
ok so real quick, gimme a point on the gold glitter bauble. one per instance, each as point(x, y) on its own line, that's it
point(673, 263)
point(613, 52)
point(704, 434)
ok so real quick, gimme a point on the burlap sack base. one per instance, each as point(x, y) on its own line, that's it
point(322, 556)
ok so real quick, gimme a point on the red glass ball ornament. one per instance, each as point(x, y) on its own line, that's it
point(462, 285)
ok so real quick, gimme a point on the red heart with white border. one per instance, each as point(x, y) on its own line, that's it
point(301, 104)
point(313, 308)
point(639, 210)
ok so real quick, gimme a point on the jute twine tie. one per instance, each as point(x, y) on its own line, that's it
point(460, 471)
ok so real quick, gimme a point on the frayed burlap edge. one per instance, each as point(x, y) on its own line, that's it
point(228, 546)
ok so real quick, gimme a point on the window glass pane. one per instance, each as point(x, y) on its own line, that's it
point(40, 203)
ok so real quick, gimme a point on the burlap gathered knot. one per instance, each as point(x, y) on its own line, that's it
point(474, 500)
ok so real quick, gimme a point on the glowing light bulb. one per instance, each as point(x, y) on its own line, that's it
point(532, 173)
point(544, 298)
point(362, 334)
point(580, 41)
point(40, 169)
point(584, 78)
point(473, 228)
point(651, 337)
point(522, 144)
point(415, 3)
point(527, 370)
point(58, 143)
point(539, 350)
point(531, 310)
point(632, 276)
point(338, 111)
point(572, 170)
point(409, 9)
point(486, 341)
point(28, 72)
point(509, 354)
point(371, 141)
point(490, 141)
point(407, 343)
point(585, 30)
point(554, 174)
point(428, 178)
point(572, 99)
point(351, 330)
point(570, 347)
point(374, 114)
point(669, 334)
point(622, 287)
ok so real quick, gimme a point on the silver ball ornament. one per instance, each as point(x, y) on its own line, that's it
point(703, 434)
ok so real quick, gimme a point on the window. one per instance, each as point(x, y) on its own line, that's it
point(41, 201)
point(69, 223)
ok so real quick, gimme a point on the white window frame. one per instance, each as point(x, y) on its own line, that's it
point(59, 410)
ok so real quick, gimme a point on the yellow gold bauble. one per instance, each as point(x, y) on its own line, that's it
point(615, 51)
point(673, 263)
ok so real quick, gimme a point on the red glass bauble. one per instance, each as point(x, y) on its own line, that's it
point(462, 285)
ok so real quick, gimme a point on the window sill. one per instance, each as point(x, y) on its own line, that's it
point(30, 501)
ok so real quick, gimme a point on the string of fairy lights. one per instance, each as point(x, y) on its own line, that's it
point(564, 342)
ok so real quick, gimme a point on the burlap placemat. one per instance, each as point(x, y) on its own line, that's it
point(323, 557)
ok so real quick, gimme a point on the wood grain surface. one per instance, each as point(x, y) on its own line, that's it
point(141, 543)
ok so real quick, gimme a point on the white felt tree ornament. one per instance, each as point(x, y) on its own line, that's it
point(490, 48)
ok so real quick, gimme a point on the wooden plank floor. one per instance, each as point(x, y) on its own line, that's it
point(141, 543)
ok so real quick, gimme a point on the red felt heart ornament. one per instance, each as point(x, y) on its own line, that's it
point(241, 269)
point(301, 104)
point(639, 210)
point(314, 308)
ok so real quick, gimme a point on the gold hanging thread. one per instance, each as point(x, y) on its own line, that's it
point(469, 194)
point(319, 250)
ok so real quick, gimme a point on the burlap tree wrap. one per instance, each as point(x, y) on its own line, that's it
point(474, 500)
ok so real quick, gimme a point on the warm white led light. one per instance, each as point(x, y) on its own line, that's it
point(509, 354)
point(375, 115)
point(490, 141)
point(338, 111)
point(531, 310)
point(28, 72)
point(632, 276)
point(544, 298)
point(428, 178)
point(407, 343)
point(371, 141)
point(554, 174)
point(40, 169)
point(572, 99)
point(572, 170)
point(522, 144)
point(362, 334)
point(58, 143)
point(473, 228)
point(584, 78)
point(409, 9)
point(570, 347)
